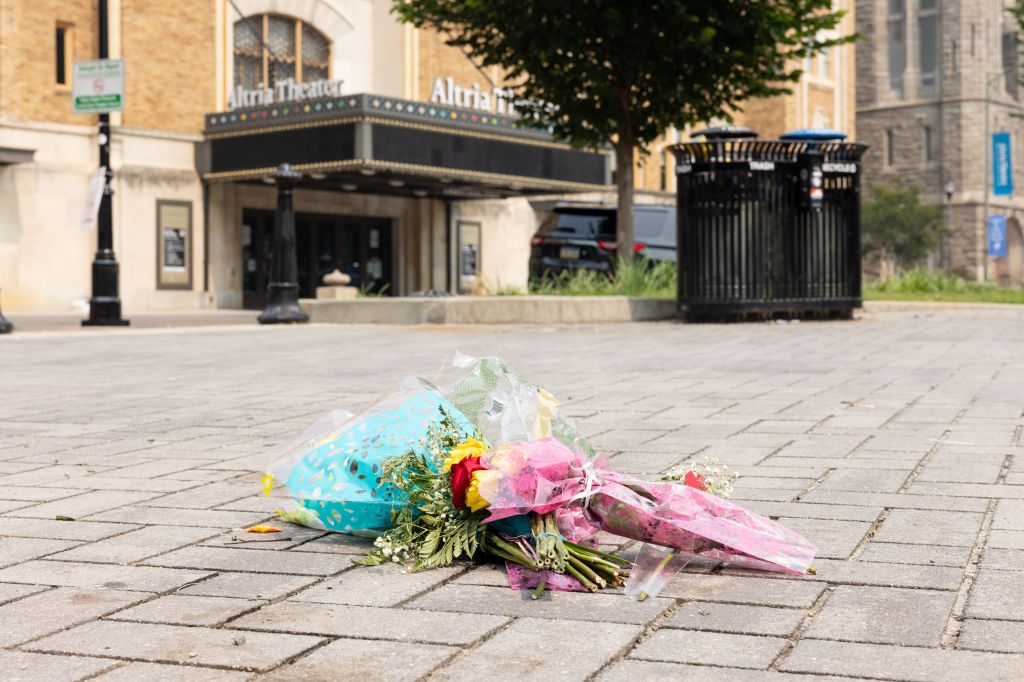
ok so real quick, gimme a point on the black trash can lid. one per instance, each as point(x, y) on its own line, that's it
point(813, 135)
point(725, 133)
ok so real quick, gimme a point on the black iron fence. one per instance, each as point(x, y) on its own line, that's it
point(769, 227)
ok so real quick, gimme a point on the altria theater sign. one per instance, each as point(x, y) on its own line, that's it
point(284, 91)
point(497, 101)
point(445, 92)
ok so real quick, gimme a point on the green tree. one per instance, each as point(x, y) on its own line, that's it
point(896, 226)
point(620, 72)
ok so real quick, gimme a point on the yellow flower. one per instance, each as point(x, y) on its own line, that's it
point(473, 499)
point(471, 448)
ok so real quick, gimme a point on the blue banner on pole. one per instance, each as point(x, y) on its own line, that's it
point(997, 236)
point(1002, 165)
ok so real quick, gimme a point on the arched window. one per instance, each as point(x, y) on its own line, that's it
point(270, 48)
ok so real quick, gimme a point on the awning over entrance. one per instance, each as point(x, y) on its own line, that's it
point(374, 144)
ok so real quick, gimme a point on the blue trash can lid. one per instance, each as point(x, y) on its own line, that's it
point(813, 135)
point(725, 133)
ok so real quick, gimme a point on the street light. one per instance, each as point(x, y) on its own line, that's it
point(105, 303)
point(947, 249)
point(283, 301)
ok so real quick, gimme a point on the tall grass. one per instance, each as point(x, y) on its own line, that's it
point(932, 285)
point(638, 277)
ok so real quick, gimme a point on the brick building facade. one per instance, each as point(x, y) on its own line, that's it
point(184, 59)
point(934, 79)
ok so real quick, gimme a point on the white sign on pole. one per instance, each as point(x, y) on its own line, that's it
point(98, 86)
point(92, 200)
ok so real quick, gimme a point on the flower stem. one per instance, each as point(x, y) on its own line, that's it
point(539, 589)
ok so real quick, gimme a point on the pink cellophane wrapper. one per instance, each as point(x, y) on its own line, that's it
point(522, 578)
point(546, 475)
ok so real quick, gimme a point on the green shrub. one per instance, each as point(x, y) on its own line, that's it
point(638, 277)
point(933, 285)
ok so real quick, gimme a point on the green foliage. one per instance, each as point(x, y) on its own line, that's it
point(896, 225)
point(620, 72)
point(638, 277)
point(428, 530)
point(597, 69)
point(931, 285)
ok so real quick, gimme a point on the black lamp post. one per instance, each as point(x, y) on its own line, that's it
point(5, 326)
point(947, 251)
point(105, 303)
point(283, 300)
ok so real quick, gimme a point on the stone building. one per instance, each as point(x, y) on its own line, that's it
point(414, 174)
point(936, 79)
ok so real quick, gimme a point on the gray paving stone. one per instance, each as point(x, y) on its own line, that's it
point(10, 591)
point(157, 672)
point(741, 651)
point(67, 574)
point(535, 649)
point(804, 510)
point(629, 670)
point(136, 545)
point(997, 594)
point(835, 539)
point(187, 610)
point(897, 501)
point(1009, 515)
point(749, 620)
point(613, 608)
point(992, 635)
point(265, 586)
point(901, 663)
point(745, 590)
point(411, 625)
point(236, 559)
point(1003, 559)
point(865, 480)
point(885, 615)
point(16, 550)
point(169, 516)
point(918, 527)
point(1006, 539)
point(60, 530)
point(83, 505)
point(385, 585)
point(20, 666)
point(178, 644)
point(925, 555)
point(357, 659)
point(47, 612)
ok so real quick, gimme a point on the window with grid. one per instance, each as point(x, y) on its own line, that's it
point(928, 40)
point(270, 48)
point(897, 43)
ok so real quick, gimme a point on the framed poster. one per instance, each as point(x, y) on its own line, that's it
point(173, 244)
point(468, 250)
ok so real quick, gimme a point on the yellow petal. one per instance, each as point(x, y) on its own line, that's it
point(263, 529)
point(268, 483)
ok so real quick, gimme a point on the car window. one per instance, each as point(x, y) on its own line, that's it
point(655, 226)
point(584, 225)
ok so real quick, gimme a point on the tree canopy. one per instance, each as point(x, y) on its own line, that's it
point(620, 72)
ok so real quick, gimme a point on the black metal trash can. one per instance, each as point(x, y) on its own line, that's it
point(768, 228)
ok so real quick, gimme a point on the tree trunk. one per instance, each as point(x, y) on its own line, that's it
point(624, 181)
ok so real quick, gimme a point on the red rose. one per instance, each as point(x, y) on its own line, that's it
point(694, 480)
point(462, 474)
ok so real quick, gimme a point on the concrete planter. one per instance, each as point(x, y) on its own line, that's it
point(492, 310)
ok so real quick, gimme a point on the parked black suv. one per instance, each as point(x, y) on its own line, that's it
point(576, 237)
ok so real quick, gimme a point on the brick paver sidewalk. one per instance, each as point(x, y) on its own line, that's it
point(892, 442)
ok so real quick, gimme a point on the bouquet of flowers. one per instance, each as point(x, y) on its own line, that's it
point(491, 466)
